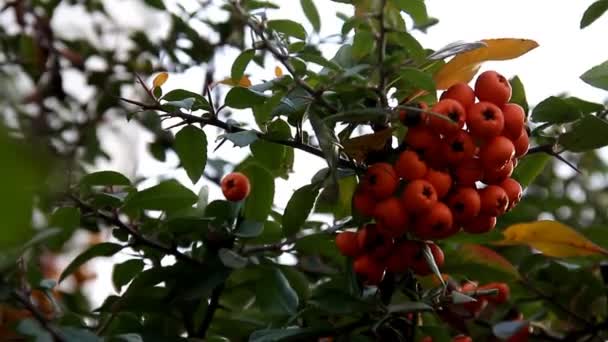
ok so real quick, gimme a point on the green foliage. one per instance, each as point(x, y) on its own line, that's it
point(191, 147)
point(593, 12)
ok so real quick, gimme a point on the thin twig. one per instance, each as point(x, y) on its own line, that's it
point(211, 309)
point(381, 42)
point(39, 316)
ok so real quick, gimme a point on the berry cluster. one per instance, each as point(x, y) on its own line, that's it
point(452, 174)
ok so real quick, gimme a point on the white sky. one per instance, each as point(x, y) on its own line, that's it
point(565, 52)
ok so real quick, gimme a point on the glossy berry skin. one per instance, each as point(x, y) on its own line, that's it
point(458, 147)
point(462, 338)
point(419, 264)
point(441, 182)
point(492, 87)
point(380, 180)
point(460, 92)
point(480, 224)
point(418, 196)
point(485, 120)
point(496, 153)
point(437, 223)
point(372, 241)
point(402, 256)
point(494, 200)
point(454, 117)
point(409, 166)
point(513, 190)
point(235, 186)
point(422, 140)
point(514, 117)
point(364, 203)
point(503, 292)
point(464, 203)
point(392, 216)
point(347, 244)
point(521, 144)
point(496, 176)
point(468, 172)
point(413, 118)
point(369, 269)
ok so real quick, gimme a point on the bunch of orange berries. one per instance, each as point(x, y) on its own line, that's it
point(453, 174)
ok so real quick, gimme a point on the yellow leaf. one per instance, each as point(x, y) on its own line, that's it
point(359, 147)
point(160, 79)
point(464, 66)
point(552, 238)
point(243, 82)
point(278, 72)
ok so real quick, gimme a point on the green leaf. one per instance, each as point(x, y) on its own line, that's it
point(72, 334)
point(66, 218)
point(158, 4)
point(308, 6)
point(166, 196)
point(271, 155)
point(124, 272)
point(298, 208)
point(240, 64)
point(105, 249)
point(274, 294)
point(593, 12)
point(588, 133)
point(585, 107)
point(288, 27)
point(104, 178)
point(342, 207)
point(259, 202)
point(191, 148)
point(555, 110)
point(249, 229)
point(597, 76)
point(231, 258)
point(363, 44)
point(241, 98)
point(530, 167)
point(241, 139)
point(284, 334)
point(271, 233)
point(518, 94)
point(416, 9)
point(180, 94)
point(417, 78)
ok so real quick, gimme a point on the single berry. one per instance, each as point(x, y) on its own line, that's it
point(235, 186)
point(492, 87)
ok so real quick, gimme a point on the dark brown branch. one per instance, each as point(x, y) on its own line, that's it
point(114, 220)
point(214, 304)
point(39, 316)
point(381, 42)
point(550, 150)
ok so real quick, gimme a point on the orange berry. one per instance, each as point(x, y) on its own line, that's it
point(455, 116)
point(418, 196)
point(494, 200)
point(391, 216)
point(458, 147)
point(468, 172)
point(441, 181)
point(364, 203)
point(514, 117)
point(480, 224)
point(412, 118)
point(369, 269)
point(235, 186)
point(495, 176)
point(503, 292)
point(437, 223)
point(409, 166)
point(464, 203)
point(513, 190)
point(462, 338)
point(473, 307)
point(520, 336)
point(347, 244)
point(522, 144)
point(492, 87)
point(380, 180)
point(485, 120)
point(420, 266)
point(422, 140)
point(496, 153)
point(460, 92)
point(402, 256)
point(372, 240)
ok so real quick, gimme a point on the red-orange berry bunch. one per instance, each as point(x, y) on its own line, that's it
point(453, 174)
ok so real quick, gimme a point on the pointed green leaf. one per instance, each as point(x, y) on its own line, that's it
point(191, 148)
point(288, 27)
point(259, 202)
point(593, 12)
point(241, 98)
point(274, 294)
point(104, 178)
point(310, 10)
point(298, 208)
point(240, 64)
point(167, 195)
point(597, 76)
point(124, 272)
point(588, 133)
point(105, 249)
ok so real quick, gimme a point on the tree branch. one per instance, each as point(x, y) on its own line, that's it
point(381, 42)
point(23, 299)
point(211, 309)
